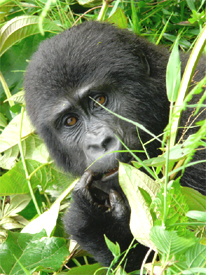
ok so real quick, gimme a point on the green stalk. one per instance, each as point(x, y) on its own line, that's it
point(24, 164)
point(186, 79)
point(103, 10)
point(6, 90)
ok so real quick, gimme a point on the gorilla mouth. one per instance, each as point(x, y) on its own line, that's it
point(106, 175)
point(111, 172)
point(101, 186)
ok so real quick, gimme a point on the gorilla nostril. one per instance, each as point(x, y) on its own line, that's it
point(107, 143)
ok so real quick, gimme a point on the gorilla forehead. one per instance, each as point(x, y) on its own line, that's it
point(68, 61)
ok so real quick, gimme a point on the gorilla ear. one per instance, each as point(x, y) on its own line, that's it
point(145, 62)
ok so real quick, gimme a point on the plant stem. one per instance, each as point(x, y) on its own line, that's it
point(186, 80)
point(103, 10)
point(6, 89)
point(24, 164)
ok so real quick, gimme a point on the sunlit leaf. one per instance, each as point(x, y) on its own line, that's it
point(21, 27)
point(118, 18)
point(35, 252)
point(173, 73)
point(10, 135)
point(46, 221)
point(169, 242)
point(131, 180)
point(197, 215)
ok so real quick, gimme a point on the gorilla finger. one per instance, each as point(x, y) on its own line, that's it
point(118, 206)
point(83, 184)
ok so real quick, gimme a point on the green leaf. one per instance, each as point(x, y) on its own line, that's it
point(131, 180)
point(169, 242)
point(195, 200)
point(118, 18)
point(89, 3)
point(46, 221)
point(114, 248)
point(15, 182)
point(35, 252)
point(182, 42)
point(18, 97)
point(20, 27)
point(173, 73)
point(46, 176)
point(195, 270)
point(176, 207)
point(15, 60)
point(85, 270)
point(191, 5)
point(17, 204)
point(23, 268)
point(120, 271)
point(9, 136)
point(3, 121)
point(197, 215)
point(9, 157)
point(196, 256)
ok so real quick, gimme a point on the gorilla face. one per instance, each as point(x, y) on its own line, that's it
point(87, 131)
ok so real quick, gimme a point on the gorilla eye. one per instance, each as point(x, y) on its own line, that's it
point(100, 100)
point(70, 121)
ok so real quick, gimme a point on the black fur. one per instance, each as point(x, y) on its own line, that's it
point(91, 60)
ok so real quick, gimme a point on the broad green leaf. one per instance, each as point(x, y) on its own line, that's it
point(154, 162)
point(35, 252)
point(90, 3)
point(114, 248)
point(191, 5)
point(10, 135)
point(14, 181)
point(173, 73)
point(17, 204)
point(9, 158)
point(33, 148)
point(47, 176)
point(196, 256)
point(120, 271)
point(195, 270)
point(26, 272)
point(45, 221)
point(118, 18)
point(131, 180)
point(3, 121)
point(169, 242)
point(15, 60)
point(86, 270)
point(182, 42)
point(175, 208)
point(197, 215)
point(195, 200)
point(18, 97)
point(12, 222)
point(176, 153)
point(20, 27)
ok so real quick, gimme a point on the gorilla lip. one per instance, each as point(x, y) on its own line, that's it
point(112, 172)
point(106, 175)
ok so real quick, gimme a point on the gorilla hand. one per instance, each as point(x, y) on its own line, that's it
point(97, 205)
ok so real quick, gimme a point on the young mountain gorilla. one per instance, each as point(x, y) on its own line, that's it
point(126, 74)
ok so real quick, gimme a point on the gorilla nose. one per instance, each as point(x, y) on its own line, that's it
point(97, 145)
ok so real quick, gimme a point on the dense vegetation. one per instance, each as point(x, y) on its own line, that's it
point(34, 194)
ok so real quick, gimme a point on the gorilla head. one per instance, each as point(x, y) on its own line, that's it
point(100, 62)
point(68, 80)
